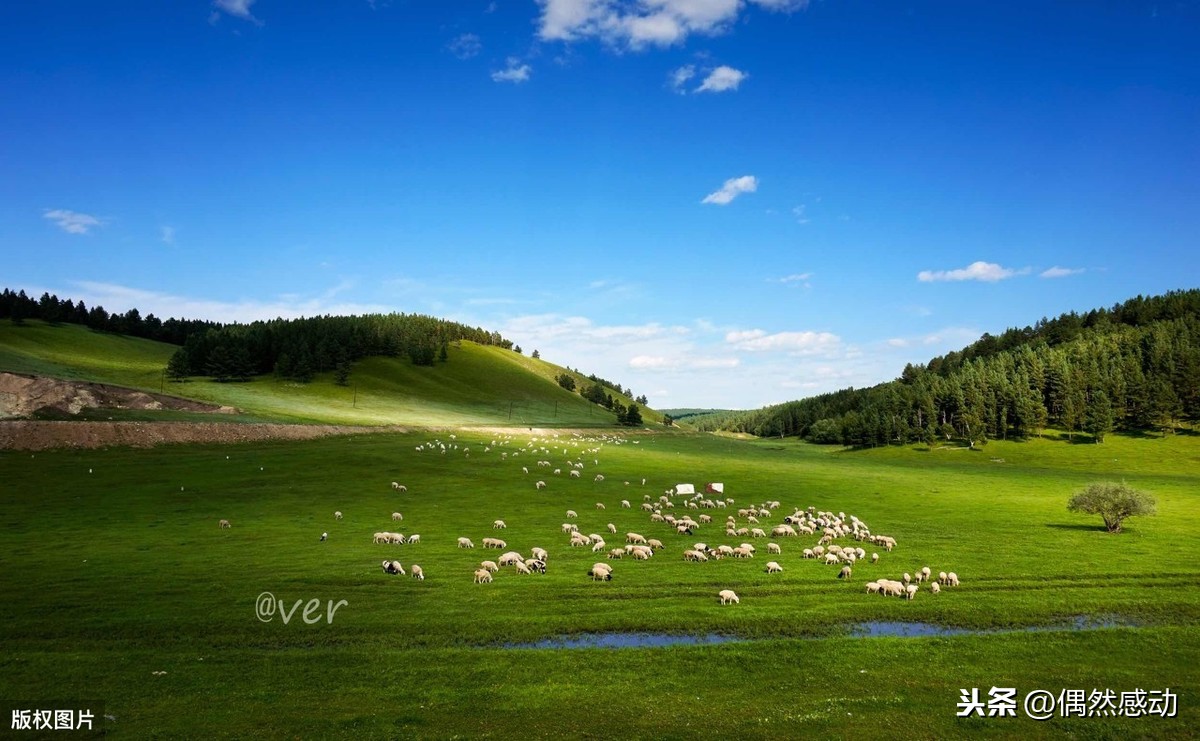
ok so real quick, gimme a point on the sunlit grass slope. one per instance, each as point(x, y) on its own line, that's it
point(478, 385)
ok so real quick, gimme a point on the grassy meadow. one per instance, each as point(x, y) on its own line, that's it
point(114, 568)
point(478, 385)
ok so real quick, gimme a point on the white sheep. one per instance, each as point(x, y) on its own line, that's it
point(337, 515)
point(417, 572)
point(522, 568)
point(498, 525)
point(925, 572)
point(599, 505)
point(540, 485)
point(598, 546)
point(774, 548)
point(574, 473)
point(935, 587)
point(398, 486)
point(727, 596)
point(952, 579)
point(489, 565)
point(808, 553)
point(599, 477)
point(612, 529)
point(625, 503)
point(872, 587)
point(910, 591)
point(510, 558)
point(538, 553)
point(874, 558)
point(844, 573)
point(571, 514)
point(601, 572)
point(634, 538)
point(694, 555)
point(616, 553)
point(483, 576)
point(414, 539)
point(773, 567)
point(396, 516)
point(223, 524)
point(465, 543)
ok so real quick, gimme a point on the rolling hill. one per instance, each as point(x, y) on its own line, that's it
point(477, 385)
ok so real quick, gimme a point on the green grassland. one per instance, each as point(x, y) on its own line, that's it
point(478, 385)
point(113, 568)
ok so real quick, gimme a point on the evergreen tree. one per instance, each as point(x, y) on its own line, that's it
point(178, 366)
point(1098, 420)
point(633, 416)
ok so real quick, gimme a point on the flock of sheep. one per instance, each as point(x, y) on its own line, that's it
point(678, 511)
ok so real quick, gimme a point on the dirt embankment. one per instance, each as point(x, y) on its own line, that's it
point(35, 435)
point(24, 396)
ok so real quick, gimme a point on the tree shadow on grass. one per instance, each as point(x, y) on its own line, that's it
point(1073, 526)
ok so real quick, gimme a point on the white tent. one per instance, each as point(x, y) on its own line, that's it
point(715, 488)
point(685, 489)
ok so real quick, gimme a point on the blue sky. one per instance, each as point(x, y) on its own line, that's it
point(722, 203)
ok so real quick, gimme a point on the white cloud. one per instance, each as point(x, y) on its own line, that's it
point(794, 278)
point(681, 362)
point(235, 8)
point(679, 77)
point(732, 188)
point(636, 23)
point(167, 233)
point(1057, 272)
point(800, 212)
point(165, 305)
point(721, 79)
point(72, 222)
point(465, 46)
point(988, 272)
point(897, 342)
point(800, 343)
point(515, 72)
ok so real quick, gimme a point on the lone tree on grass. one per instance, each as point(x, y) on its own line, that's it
point(1112, 501)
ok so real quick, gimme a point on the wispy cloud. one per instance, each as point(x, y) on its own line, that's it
point(722, 79)
point(235, 8)
point(732, 188)
point(1057, 272)
point(681, 362)
point(116, 297)
point(72, 222)
point(801, 214)
point(638, 23)
point(465, 46)
point(515, 72)
point(679, 77)
point(794, 278)
point(802, 343)
point(167, 234)
point(988, 272)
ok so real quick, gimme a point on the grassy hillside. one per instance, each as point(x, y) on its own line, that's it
point(478, 385)
point(155, 586)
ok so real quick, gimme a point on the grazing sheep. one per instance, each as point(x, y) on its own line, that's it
point(465, 543)
point(942, 577)
point(910, 591)
point(741, 552)
point(819, 551)
point(499, 525)
point(522, 568)
point(489, 565)
point(844, 573)
point(324, 537)
point(616, 553)
point(337, 515)
point(396, 516)
point(773, 567)
point(872, 587)
point(414, 539)
point(935, 588)
point(536, 565)
point(398, 486)
point(598, 546)
point(774, 548)
point(483, 576)
point(952, 579)
point(223, 524)
point(524, 469)
point(831, 559)
point(612, 528)
point(640, 553)
point(558, 472)
point(599, 505)
point(574, 473)
point(494, 543)
point(417, 572)
point(634, 538)
point(600, 572)
point(925, 572)
point(540, 485)
point(571, 513)
point(727, 596)
point(907, 578)
point(394, 567)
point(625, 502)
point(538, 553)
point(654, 543)
point(599, 476)
point(694, 555)
point(874, 558)
point(381, 537)
point(808, 553)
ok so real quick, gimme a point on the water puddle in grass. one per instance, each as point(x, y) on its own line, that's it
point(878, 628)
point(626, 640)
point(872, 629)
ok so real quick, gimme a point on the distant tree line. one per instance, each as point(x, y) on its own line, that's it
point(290, 348)
point(1134, 366)
point(17, 307)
